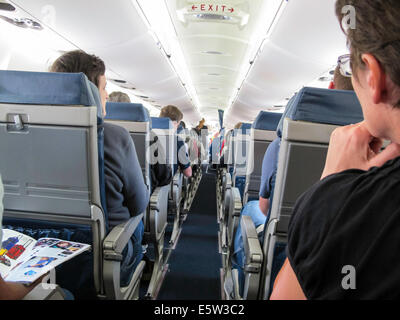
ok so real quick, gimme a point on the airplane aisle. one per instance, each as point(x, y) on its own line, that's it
point(194, 266)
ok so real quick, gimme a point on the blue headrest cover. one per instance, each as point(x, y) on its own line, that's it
point(245, 128)
point(161, 123)
point(267, 121)
point(288, 110)
point(135, 112)
point(335, 107)
point(46, 88)
point(97, 99)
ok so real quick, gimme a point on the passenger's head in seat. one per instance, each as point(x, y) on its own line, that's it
point(176, 117)
point(173, 113)
point(118, 96)
point(340, 82)
point(92, 66)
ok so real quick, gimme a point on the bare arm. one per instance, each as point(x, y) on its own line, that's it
point(13, 291)
point(264, 205)
point(286, 286)
point(187, 172)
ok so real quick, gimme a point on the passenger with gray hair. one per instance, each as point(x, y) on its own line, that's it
point(118, 96)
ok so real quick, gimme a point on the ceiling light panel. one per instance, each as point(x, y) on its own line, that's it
point(214, 47)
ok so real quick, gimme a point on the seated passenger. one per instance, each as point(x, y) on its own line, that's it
point(160, 174)
point(199, 126)
point(126, 192)
point(343, 235)
point(176, 116)
point(259, 210)
point(118, 96)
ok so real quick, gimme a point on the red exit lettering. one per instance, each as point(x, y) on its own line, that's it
point(212, 8)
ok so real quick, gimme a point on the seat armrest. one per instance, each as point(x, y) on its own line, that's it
point(252, 246)
point(118, 238)
point(234, 216)
point(228, 180)
point(177, 178)
point(45, 291)
point(254, 259)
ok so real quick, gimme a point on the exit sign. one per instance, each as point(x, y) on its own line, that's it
point(202, 7)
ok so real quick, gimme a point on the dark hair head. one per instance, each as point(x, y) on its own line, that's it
point(183, 125)
point(118, 96)
point(171, 112)
point(79, 61)
point(377, 30)
point(341, 82)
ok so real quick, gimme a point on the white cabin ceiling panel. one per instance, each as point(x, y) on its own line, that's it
point(114, 31)
point(105, 23)
point(310, 30)
point(304, 44)
point(138, 61)
point(215, 37)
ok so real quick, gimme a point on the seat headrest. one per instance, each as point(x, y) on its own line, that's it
point(161, 123)
point(287, 111)
point(245, 128)
point(267, 121)
point(135, 112)
point(334, 107)
point(47, 88)
point(97, 99)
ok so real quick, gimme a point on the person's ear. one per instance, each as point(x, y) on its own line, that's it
point(331, 85)
point(375, 78)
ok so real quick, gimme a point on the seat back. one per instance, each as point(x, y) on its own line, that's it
point(262, 133)
point(241, 149)
point(306, 132)
point(163, 129)
point(135, 118)
point(52, 169)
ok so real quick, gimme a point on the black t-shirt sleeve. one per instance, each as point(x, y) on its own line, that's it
point(347, 219)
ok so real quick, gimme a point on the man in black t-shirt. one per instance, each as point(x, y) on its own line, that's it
point(343, 236)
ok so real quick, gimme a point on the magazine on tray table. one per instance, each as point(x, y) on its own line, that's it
point(24, 259)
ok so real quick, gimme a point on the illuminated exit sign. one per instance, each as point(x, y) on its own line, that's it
point(202, 7)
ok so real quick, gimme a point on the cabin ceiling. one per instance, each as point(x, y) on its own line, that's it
point(235, 55)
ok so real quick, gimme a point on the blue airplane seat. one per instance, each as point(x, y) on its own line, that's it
point(318, 106)
point(134, 112)
point(56, 90)
point(267, 121)
point(46, 110)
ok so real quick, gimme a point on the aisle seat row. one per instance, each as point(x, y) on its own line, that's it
point(53, 176)
point(304, 131)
